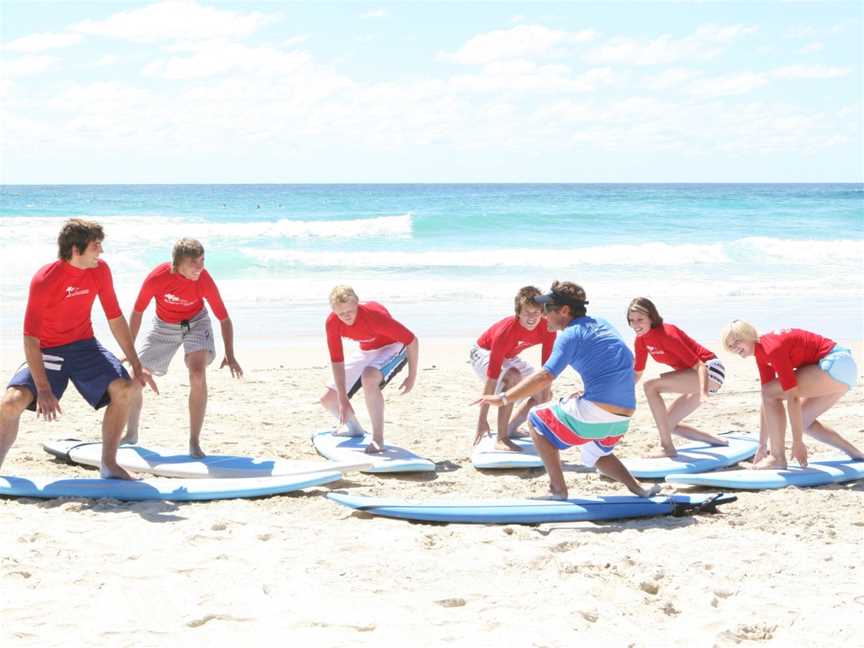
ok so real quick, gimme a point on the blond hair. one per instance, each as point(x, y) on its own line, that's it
point(738, 330)
point(342, 295)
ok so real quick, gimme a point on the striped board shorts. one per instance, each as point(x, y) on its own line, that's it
point(716, 375)
point(576, 421)
point(389, 360)
point(165, 338)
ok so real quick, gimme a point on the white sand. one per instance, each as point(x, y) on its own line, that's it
point(775, 568)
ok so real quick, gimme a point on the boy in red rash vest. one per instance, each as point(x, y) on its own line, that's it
point(180, 288)
point(59, 344)
point(697, 373)
point(381, 339)
point(807, 371)
point(495, 359)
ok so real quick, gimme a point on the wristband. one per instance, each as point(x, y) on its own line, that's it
point(504, 400)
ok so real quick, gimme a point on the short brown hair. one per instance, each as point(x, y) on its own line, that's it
point(525, 296)
point(77, 233)
point(185, 249)
point(573, 296)
point(646, 306)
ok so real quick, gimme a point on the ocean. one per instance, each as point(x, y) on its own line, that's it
point(447, 259)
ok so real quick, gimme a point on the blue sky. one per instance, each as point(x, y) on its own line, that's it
point(185, 91)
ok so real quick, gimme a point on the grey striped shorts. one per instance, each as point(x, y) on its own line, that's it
point(164, 339)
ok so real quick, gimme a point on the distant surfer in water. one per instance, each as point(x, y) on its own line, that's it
point(806, 371)
point(385, 347)
point(696, 373)
point(59, 344)
point(180, 288)
point(594, 420)
point(495, 359)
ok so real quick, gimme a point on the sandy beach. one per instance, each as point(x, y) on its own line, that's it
point(773, 569)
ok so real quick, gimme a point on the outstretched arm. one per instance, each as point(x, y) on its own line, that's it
point(413, 352)
point(529, 386)
point(228, 341)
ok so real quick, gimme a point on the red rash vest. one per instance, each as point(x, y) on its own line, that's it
point(779, 353)
point(373, 328)
point(671, 346)
point(179, 298)
point(61, 299)
point(507, 338)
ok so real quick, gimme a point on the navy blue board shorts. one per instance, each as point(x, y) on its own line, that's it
point(90, 366)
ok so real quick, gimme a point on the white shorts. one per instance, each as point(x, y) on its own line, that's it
point(375, 358)
point(480, 362)
point(164, 339)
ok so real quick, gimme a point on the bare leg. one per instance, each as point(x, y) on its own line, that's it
point(15, 401)
point(197, 363)
point(371, 381)
point(331, 403)
point(775, 426)
point(653, 393)
point(612, 467)
point(521, 414)
point(552, 461)
point(683, 406)
point(136, 403)
point(503, 442)
point(813, 407)
point(116, 415)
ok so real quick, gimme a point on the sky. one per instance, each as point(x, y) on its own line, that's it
point(186, 91)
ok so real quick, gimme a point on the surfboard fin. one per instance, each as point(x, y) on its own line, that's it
point(706, 506)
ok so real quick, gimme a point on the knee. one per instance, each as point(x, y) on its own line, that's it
point(12, 404)
point(651, 386)
point(511, 378)
point(197, 375)
point(121, 391)
point(370, 379)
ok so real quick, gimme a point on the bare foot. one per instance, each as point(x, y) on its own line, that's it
point(651, 492)
point(131, 438)
point(196, 451)
point(116, 472)
point(345, 431)
point(374, 447)
point(770, 463)
point(506, 445)
point(664, 453)
point(519, 434)
point(716, 441)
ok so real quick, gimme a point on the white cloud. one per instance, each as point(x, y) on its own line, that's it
point(175, 20)
point(725, 86)
point(526, 77)
point(376, 13)
point(814, 46)
point(705, 43)
point(809, 72)
point(521, 42)
point(25, 66)
point(670, 78)
point(215, 58)
point(35, 43)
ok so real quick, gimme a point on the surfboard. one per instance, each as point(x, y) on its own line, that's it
point(163, 463)
point(528, 511)
point(351, 449)
point(695, 458)
point(161, 488)
point(817, 473)
point(486, 457)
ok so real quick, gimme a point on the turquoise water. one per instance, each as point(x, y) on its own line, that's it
point(451, 256)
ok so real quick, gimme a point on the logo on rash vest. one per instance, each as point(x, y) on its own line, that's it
point(74, 291)
point(177, 301)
